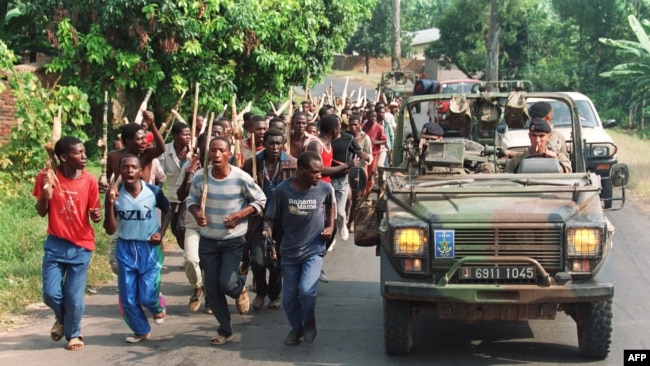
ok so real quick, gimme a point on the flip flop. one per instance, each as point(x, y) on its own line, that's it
point(56, 333)
point(76, 344)
point(221, 339)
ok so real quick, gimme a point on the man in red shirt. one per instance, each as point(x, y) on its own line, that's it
point(378, 138)
point(70, 202)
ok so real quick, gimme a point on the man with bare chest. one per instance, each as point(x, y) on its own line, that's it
point(134, 142)
point(299, 137)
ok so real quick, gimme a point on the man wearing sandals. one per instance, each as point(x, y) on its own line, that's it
point(131, 212)
point(231, 196)
point(304, 205)
point(70, 202)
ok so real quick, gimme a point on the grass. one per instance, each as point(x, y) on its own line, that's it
point(631, 152)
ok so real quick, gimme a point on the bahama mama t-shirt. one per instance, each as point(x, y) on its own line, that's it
point(302, 214)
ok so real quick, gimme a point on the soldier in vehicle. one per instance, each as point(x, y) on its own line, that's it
point(556, 141)
point(431, 131)
point(539, 134)
point(543, 110)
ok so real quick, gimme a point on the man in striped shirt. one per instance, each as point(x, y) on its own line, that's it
point(232, 196)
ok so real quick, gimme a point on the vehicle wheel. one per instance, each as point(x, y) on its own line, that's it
point(594, 324)
point(397, 327)
point(606, 193)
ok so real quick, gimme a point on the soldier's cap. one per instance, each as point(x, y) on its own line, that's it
point(432, 128)
point(539, 125)
point(540, 109)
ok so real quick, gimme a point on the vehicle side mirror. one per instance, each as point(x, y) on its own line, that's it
point(619, 175)
point(610, 123)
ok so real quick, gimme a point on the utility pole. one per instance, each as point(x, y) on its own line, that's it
point(396, 49)
point(492, 63)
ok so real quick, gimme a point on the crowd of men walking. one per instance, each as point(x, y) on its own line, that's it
point(277, 215)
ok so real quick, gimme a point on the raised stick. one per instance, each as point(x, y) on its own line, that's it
point(343, 96)
point(103, 143)
point(206, 171)
point(307, 91)
point(238, 133)
point(143, 107)
point(287, 143)
point(51, 164)
point(196, 110)
point(170, 118)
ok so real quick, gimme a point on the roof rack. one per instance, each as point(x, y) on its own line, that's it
point(503, 86)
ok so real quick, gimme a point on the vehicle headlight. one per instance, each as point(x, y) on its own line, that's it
point(584, 242)
point(410, 241)
point(603, 150)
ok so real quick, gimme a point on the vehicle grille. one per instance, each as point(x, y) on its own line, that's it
point(542, 243)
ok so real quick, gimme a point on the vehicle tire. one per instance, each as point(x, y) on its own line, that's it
point(594, 324)
point(606, 192)
point(397, 327)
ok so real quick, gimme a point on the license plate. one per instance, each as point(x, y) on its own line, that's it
point(497, 273)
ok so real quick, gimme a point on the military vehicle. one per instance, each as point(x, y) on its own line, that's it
point(397, 83)
point(476, 244)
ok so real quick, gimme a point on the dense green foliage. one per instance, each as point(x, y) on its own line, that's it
point(17, 31)
point(635, 73)
point(253, 48)
point(36, 108)
point(553, 43)
point(372, 38)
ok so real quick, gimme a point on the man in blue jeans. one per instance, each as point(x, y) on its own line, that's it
point(231, 196)
point(306, 207)
point(70, 199)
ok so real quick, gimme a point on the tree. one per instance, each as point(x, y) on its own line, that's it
point(492, 62)
point(464, 29)
point(423, 14)
point(36, 108)
point(254, 48)
point(17, 30)
point(635, 74)
point(372, 39)
point(396, 50)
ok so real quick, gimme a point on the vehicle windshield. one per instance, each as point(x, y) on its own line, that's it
point(562, 116)
point(587, 117)
point(456, 88)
